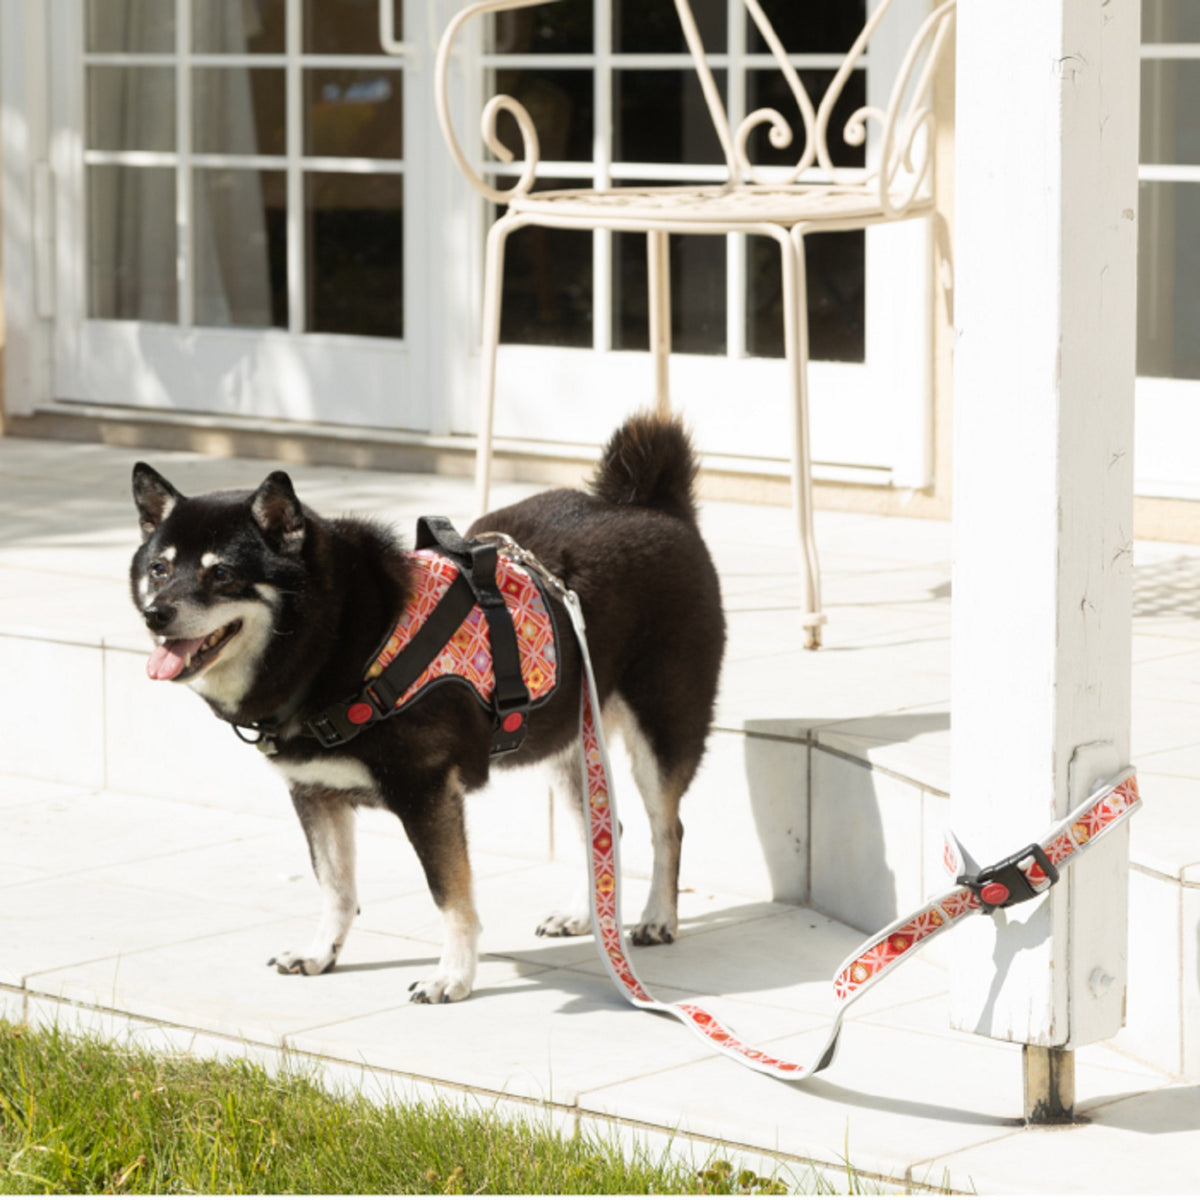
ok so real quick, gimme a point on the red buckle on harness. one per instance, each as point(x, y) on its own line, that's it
point(1005, 883)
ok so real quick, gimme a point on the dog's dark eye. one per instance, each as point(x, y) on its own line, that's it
point(221, 574)
point(158, 569)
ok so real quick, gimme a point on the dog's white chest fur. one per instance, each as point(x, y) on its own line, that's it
point(338, 773)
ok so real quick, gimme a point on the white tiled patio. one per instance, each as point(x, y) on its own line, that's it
point(150, 864)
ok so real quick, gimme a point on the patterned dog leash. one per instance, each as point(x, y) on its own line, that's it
point(1022, 876)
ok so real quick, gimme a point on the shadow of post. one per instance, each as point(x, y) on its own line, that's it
point(833, 829)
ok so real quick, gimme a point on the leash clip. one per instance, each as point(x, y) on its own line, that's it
point(1008, 882)
point(267, 741)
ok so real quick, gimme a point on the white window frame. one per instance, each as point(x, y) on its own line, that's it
point(1166, 410)
point(281, 373)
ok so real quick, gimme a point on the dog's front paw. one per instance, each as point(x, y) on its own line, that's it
point(441, 990)
point(562, 924)
point(288, 963)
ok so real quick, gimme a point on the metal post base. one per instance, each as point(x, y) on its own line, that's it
point(1049, 1074)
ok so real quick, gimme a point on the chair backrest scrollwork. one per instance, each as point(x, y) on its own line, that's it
point(902, 166)
point(907, 125)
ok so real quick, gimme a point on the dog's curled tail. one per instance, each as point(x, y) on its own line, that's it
point(649, 463)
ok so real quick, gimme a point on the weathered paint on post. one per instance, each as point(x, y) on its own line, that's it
point(1046, 169)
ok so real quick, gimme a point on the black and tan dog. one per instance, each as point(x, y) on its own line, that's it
point(271, 612)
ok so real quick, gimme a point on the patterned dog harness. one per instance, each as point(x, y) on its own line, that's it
point(474, 618)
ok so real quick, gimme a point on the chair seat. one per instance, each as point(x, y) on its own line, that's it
point(718, 205)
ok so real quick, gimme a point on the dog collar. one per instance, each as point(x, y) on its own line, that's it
point(474, 617)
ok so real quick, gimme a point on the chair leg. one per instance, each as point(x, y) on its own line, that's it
point(493, 289)
point(795, 338)
point(658, 262)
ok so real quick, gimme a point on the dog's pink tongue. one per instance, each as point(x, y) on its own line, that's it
point(171, 657)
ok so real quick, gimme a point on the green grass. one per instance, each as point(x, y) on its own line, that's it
point(81, 1115)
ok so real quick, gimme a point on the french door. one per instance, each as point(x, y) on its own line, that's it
point(239, 231)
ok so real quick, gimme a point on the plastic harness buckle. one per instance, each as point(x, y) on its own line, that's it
point(1007, 882)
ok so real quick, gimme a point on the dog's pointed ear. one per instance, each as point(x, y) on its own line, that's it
point(154, 497)
point(278, 514)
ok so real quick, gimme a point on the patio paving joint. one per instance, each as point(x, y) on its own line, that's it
point(266, 918)
point(876, 768)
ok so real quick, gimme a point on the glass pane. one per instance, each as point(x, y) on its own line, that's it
point(239, 110)
point(1169, 280)
point(697, 294)
point(562, 108)
point(809, 28)
point(131, 243)
point(354, 227)
point(1170, 101)
point(769, 89)
point(354, 114)
point(239, 247)
point(661, 116)
point(1170, 21)
point(347, 26)
point(642, 27)
point(131, 108)
point(548, 29)
point(219, 27)
point(122, 27)
point(547, 283)
point(835, 272)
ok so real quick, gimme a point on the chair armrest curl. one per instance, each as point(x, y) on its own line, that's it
point(905, 156)
point(530, 148)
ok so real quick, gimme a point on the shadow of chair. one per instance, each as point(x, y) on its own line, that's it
point(813, 195)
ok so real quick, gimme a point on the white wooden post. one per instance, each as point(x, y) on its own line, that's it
point(1045, 259)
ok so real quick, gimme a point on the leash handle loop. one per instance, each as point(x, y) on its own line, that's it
point(1022, 876)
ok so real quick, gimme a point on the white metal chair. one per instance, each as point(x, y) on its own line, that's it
point(812, 196)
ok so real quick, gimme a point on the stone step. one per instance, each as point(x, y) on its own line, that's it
point(845, 817)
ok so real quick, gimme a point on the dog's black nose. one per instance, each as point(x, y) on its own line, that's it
point(159, 616)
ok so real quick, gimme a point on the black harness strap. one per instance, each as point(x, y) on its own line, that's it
point(405, 669)
point(339, 722)
point(510, 696)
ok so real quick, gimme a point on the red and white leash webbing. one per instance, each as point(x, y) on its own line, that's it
point(1102, 811)
point(606, 909)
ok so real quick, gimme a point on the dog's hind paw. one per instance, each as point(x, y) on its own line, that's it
point(441, 990)
point(561, 924)
point(652, 933)
point(288, 963)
